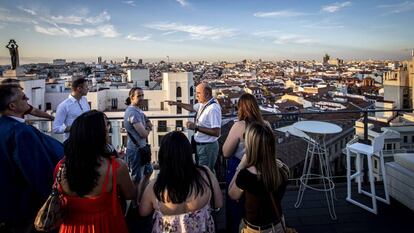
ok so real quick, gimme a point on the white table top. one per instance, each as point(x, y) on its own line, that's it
point(317, 127)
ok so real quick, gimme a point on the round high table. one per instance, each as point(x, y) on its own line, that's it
point(317, 130)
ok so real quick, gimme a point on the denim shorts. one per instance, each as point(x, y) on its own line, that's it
point(133, 159)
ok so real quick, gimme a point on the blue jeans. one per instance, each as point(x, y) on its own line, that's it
point(133, 159)
point(207, 154)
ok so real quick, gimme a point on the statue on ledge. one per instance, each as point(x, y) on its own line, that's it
point(14, 53)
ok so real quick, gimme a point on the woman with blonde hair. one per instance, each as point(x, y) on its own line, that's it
point(233, 148)
point(262, 179)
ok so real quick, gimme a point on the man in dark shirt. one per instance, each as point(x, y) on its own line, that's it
point(27, 160)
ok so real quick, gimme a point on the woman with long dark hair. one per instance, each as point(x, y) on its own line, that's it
point(233, 148)
point(182, 191)
point(91, 179)
point(262, 179)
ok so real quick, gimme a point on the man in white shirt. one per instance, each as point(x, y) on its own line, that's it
point(207, 125)
point(71, 108)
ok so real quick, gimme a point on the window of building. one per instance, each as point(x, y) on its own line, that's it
point(179, 109)
point(162, 126)
point(179, 125)
point(179, 92)
point(40, 107)
point(146, 83)
point(389, 146)
point(191, 101)
point(191, 91)
point(336, 147)
point(124, 140)
point(162, 105)
point(405, 139)
point(144, 105)
point(375, 164)
point(412, 138)
point(48, 106)
point(114, 103)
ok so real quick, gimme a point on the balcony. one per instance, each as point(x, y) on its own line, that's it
point(312, 215)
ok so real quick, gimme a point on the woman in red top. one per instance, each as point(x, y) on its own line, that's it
point(91, 179)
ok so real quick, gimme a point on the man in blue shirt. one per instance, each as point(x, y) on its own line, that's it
point(27, 160)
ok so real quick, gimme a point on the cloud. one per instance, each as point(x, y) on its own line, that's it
point(276, 14)
point(131, 3)
point(336, 7)
point(399, 7)
point(294, 39)
point(168, 33)
point(137, 38)
point(29, 11)
point(324, 24)
point(6, 18)
point(81, 20)
point(269, 33)
point(103, 30)
point(183, 2)
point(195, 31)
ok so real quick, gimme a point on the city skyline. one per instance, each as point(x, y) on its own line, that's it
point(207, 30)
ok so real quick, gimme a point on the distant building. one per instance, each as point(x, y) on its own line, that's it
point(139, 77)
point(398, 85)
point(59, 62)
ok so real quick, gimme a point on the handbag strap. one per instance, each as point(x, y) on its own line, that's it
point(278, 215)
point(212, 199)
point(197, 115)
point(57, 175)
point(115, 202)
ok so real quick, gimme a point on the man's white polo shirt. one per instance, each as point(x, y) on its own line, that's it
point(210, 117)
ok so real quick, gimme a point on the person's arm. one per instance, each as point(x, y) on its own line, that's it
point(146, 206)
point(142, 131)
point(124, 181)
point(59, 122)
point(209, 131)
point(214, 119)
point(234, 191)
point(188, 107)
point(233, 138)
point(39, 113)
point(218, 196)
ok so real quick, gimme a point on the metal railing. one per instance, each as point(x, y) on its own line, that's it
point(277, 120)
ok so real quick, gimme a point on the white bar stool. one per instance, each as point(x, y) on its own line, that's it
point(374, 150)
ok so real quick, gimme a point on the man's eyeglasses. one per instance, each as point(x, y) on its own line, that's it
point(141, 95)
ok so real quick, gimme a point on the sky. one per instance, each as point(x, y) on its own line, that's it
point(212, 30)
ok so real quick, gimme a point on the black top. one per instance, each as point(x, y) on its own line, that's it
point(258, 205)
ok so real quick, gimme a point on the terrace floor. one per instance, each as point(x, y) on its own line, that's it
point(313, 215)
